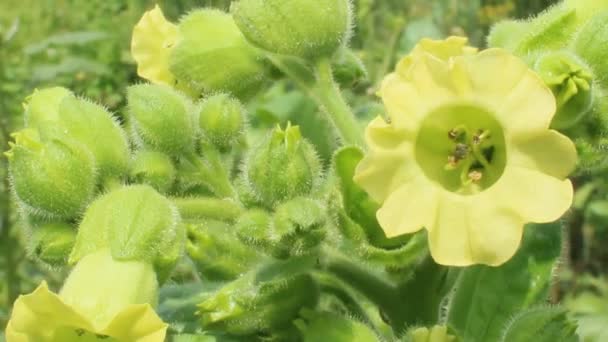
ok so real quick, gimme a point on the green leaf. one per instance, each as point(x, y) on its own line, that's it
point(541, 324)
point(487, 297)
point(357, 203)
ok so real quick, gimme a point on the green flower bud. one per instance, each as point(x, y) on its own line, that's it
point(161, 118)
point(217, 253)
point(52, 242)
point(282, 167)
point(88, 123)
point(571, 82)
point(325, 326)
point(221, 120)
point(349, 69)
point(134, 223)
point(303, 28)
point(155, 169)
point(253, 228)
point(213, 56)
point(43, 105)
point(53, 177)
point(247, 306)
point(590, 44)
point(299, 226)
point(435, 334)
point(98, 130)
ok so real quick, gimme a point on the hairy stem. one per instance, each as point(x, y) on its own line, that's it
point(207, 208)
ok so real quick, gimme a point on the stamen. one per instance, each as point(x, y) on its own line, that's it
point(475, 176)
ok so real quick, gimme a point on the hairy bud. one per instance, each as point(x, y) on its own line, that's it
point(221, 120)
point(155, 169)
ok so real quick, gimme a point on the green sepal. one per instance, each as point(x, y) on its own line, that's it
point(326, 326)
point(53, 176)
point(475, 312)
point(282, 167)
point(304, 28)
point(255, 305)
point(43, 106)
point(99, 131)
point(590, 44)
point(213, 56)
point(153, 168)
point(161, 118)
point(357, 203)
point(221, 119)
point(217, 253)
point(52, 242)
point(550, 30)
point(541, 324)
point(571, 81)
point(134, 223)
point(348, 68)
point(436, 333)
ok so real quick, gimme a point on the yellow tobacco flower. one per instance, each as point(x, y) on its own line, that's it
point(102, 300)
point(153, 37)
point(466, 152)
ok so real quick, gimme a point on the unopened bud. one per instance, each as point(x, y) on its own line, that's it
point(161, 118)
point(155, 169)
point(221, 120)
point(284, 166)
point(52, 177)
point(302, 28)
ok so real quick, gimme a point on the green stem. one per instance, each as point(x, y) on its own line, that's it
point(208, 208)
point(212, 173)
point(334, 105)
point(382, 293)
point(322, 88)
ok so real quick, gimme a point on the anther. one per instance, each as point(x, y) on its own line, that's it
point(475, 176)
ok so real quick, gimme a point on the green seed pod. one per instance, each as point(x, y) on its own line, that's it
point(217, 253)
point(282, 167)
point(52, 177)
point(325, 326)
point(247, 306)
point(212, 55)
point(153, 168)
point(135, 223)
point(98, 130)
point(348, 68)
point(43, 105)
point(221, 120)
point(52, 243)
point(590, 44)
point(304, 28)
point(572, 84)
point(161, 118)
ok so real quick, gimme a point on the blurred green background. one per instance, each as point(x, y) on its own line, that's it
point(84, 45)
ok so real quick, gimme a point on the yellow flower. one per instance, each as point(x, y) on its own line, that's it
point(153, 38)
point(102, 300)
point(466, 153)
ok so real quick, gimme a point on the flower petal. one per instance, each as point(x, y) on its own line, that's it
point(389, 161)
point(519, 97)
point(410, 208)
point(39, 315)
point(137, 323)
point(469, 232)
point(153, 37)
point(549, 152)
point(535, 196)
